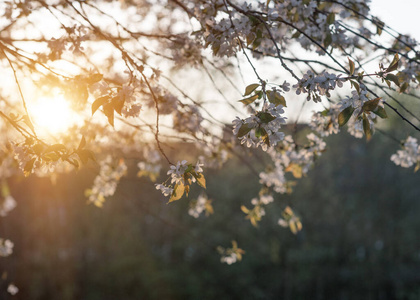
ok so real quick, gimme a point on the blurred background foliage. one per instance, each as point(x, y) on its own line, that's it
point(359, 241)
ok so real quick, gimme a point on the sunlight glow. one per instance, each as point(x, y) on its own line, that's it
point(52, 115)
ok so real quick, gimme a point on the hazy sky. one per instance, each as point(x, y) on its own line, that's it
point(402, 15)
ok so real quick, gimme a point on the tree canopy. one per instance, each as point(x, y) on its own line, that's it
point(117, 86)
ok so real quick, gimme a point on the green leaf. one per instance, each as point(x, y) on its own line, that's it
point(259, 132)
point(393, 78)
point(177, 193)
point(250, 38)
point(250, 88)
point(352, 67)
point(345, 115)
point(109, 112)
point(371, 105)
point(265, 117)
point(325, 112)
point(27, 170)
point(403, 87)
point(98, 103)
point(379, 25)
point(380, 112)
point(327, 40)
point(243, 130)
point(331, 18)
point(275, 98)
point(296, 35)
point(249, 100)
point(394, 64)
point(356, 85)
point(366, 128)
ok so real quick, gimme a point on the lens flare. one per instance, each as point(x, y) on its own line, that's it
point(52, 115)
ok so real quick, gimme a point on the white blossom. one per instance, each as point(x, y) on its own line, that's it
point(6, 247)
point(8, 204)
point(166, 191)
point(12, 289)
point(410, 154)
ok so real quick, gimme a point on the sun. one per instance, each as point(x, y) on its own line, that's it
point(52, 115)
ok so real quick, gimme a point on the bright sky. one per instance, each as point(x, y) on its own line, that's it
point(402, 15)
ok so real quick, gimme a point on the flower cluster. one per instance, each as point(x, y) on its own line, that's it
point(107, 180)
point(182, 175)
point(220, 32)
point(150, 166)
point(261, 129)
point(325, 123)
point(231, 255)
point(360, 112)
point(200, 205)
point(318, 85)
point(290, 220)
point(257, 212)
point(291, 158)
point(410, 154)
point(287, 157)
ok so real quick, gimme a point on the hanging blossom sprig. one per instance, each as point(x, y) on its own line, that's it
point(409, 156)
point(359, 108)
point(325, 122)
point(182, 175)
point(262, 128)
point(231, 255)
point(289, 219)
point(106, 182)
point(200, 205)
point(287, 157)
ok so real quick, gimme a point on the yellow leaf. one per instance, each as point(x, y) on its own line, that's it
point(295, 169)
point(293, 227)
point(178, 192)
point(253, 221)
point(200, 179)
point(209, 208)
point(288, 211)
point(244, 209)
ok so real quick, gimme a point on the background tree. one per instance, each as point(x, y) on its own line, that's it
point(119, 75)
